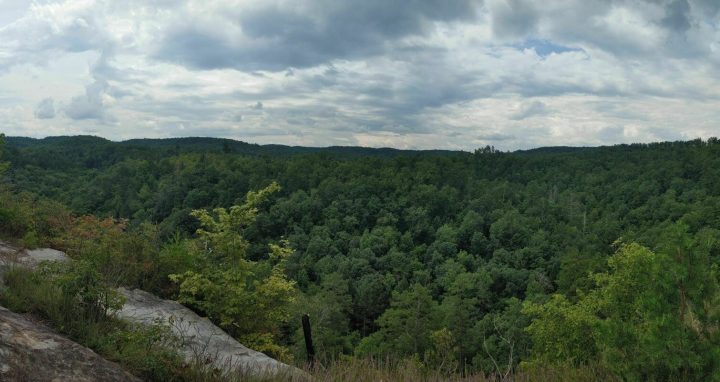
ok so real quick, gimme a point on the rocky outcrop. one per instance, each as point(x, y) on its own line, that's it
point(31, 352)
point(29, 257)
point(201, 339)
point(11, 256)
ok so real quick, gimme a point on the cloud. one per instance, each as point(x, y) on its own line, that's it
point(544, 48)
point(513, 18)
point(495, 137)
point(70, 26)
point(278, 35)
point(45, 109)
point(529, 110)
point(89, 105)
point(460, 74)
point(677, 16)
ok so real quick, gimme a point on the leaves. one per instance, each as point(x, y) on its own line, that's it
point(3, 165)
point(249, 299)
point(648, 317)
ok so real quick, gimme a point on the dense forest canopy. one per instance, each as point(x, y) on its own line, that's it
point(468, 261)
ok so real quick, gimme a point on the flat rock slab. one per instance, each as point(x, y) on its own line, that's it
point(44, 254)
point(31, 352)
point(8, 254)
point(201, 339)
point(6, 248)
point(29, 257)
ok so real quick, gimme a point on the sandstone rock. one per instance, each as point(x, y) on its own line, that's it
point(34, 256)
point(10, 255)
point(201, 339)
point(31, 352)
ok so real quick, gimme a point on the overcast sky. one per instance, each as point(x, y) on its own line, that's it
point(455, 74)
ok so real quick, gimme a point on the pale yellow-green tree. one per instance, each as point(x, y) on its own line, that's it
point(249, 299)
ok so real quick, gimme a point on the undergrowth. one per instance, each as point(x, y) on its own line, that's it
point(73, 299)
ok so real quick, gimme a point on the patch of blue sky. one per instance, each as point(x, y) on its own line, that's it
point(544, 48)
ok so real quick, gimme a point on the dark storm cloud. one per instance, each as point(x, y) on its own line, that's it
point(275, 38)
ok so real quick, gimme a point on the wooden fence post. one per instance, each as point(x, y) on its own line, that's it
point(308, 340)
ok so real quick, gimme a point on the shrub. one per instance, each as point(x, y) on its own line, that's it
point(74, 299)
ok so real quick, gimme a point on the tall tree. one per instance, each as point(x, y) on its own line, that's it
point(407, 325)
point(652, 316)
point(4, 165)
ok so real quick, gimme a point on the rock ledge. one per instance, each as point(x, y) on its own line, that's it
point(29, 351)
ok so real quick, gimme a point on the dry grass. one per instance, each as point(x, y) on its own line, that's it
point(374, 370)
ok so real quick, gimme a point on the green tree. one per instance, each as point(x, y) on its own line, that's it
point(4, 165)
point(562, 332)
point(499, 339)
point(652, 316)
point(329, 311)
point(372, 295)
point(249, 299)
point(407, 326)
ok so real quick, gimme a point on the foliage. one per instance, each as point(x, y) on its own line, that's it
point(652, 315)
point(74, 299)
point(328, 309)
point(407, 326)
point(483, 234)
point(3, 165)
point(249, 299)
point(31, 220)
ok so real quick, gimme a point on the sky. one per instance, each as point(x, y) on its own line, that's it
point(455, 74)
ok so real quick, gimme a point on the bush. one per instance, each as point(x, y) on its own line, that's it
point(74, 299)
point(35, 221)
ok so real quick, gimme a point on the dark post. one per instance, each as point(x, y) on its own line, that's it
point(308, 340)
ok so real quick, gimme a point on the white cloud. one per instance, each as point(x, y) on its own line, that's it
point(45, 109)
point(90, 105)
point(529, 110)
point(510, 73)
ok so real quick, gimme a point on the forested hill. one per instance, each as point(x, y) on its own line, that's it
point(443, 253)
point(92, 151)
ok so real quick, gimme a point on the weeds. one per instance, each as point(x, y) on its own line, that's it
point(73, 300)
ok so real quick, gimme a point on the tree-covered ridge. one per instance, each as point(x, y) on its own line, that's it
point(95, 152)
point(448, 257)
